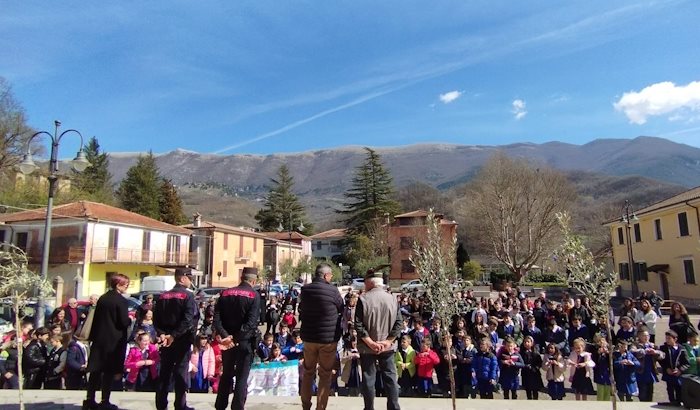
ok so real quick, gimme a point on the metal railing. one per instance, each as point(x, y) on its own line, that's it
point(142, 256)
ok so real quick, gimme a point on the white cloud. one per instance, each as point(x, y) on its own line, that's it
point(519, 109)
point(450, 96)
point(660, 99)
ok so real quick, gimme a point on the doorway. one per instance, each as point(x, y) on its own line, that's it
point(663, 277)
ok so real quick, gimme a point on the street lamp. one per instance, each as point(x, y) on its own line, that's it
point(26, 167)
point(628, 219)
point(280, 228)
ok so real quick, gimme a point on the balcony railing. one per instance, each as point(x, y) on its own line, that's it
point(140, 256)
point(244, 257)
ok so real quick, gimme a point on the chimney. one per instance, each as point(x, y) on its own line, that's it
point(197, 221)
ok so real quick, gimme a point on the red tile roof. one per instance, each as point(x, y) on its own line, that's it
point(93, 211)
point(284, 236)
point(331, 233)
point(419, 213)
point(226, 228)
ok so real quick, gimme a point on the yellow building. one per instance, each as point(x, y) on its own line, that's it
point(222, 251)
point(91, 241)
point(664, 240)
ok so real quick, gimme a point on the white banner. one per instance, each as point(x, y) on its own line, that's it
point(274, 379)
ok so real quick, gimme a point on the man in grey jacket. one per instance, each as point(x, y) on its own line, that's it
point(378, 324)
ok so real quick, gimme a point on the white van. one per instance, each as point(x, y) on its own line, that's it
point(157, 283)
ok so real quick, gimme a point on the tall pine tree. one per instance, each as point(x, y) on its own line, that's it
point(370, 198)
point(140, 190)
point(282, 206)
point(95, 182)
point(170, 204)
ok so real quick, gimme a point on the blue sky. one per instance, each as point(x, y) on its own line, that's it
point(288, 76)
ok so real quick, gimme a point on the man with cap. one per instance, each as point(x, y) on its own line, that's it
point(175, 319)
point(378, 325)
point(320, 312)
point(236, 322)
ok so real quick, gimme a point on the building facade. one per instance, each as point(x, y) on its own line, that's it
point(328, 245)
point(403, 232)
point(92, 241)
point(663, 241)
point(222, 251)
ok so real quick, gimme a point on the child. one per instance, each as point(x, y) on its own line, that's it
point(674, 363)
point(56, 364)
point(288, 317)
point(555, 368)
point(625, 369)
point(8, 363)
point(627, 330)
point(532, 373)
point(276, 354)
point(647, 355)
point(202, 365)
point(405, 366)
point(265, 347)
point(283, 338)
point(294, 351)
point(601, 371)
point(425, 361)
point(352, 372)
point(485, 367)
point(494, 337)
point(34, 359)
point(581, 370)
point(510, 364)
point(76, 365)
point(272, 315)
point(692, 348)
point(142, 364)
point(463, 375)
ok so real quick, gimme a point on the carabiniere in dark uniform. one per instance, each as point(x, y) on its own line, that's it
point(175, 317)
point(236, 318)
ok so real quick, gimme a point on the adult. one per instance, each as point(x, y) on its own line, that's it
point(73, 314)
point(145, 307)
point(627, 309)
point(175, 320)
point(108, 336)
point(679, 322)
point(378, 324)
point(58, 318)
point(320, 309)
point(236, 318)
point(646, 317)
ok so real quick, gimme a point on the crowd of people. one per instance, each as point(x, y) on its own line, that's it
point(368, 343)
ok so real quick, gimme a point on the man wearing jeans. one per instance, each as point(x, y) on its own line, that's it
point(320, 312)
point(378, 324)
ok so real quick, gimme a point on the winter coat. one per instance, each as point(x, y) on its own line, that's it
point(8, 361)
point(34, 359)
point(320, 309)
point(625, 375)
point(485, 366)
point(465, 357)
point(693, 353)
point(648, 319)
point(425, 363)
point(532, 372)
point(673, 359)
point(109, 333)
point(346, 362)
point(410, 363)
point(509, 373)
point(56, 364)
point(555, 372)
point(290, 320)
point(573, 361)
point(556, 336)
point(136, 356)
point(76, 357)
point(208, 362)
point(646, 372)
point(537, 336)
point(601, 371)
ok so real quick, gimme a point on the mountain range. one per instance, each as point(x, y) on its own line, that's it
point(322, 176)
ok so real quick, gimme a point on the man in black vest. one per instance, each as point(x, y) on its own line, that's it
point(236, 316)
point(175, 319)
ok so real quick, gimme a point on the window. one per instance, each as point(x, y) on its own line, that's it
point(113, 244)
point(225, 269)
point(624, 270)
point(146, 247)
point(108, 277)
point(225, 241)
point(657, 229)
point(689, 271)
point(640, 271)
point(406, 242)
point(637, 233)
point(2, 236)
point(22, 240)
point(240, 246)
point(407, 266)
point(319, 245)
point(683, 224)
point(620, 237)
point(255, 244)
point(173, 249)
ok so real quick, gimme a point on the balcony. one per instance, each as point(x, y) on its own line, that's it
point(244, 257)
point(137, 256)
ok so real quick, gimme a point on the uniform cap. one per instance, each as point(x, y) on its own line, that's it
point(250, 273)
point(179, 272)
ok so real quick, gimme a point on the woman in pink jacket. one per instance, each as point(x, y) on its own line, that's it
point(202, 366)
point(142, 364)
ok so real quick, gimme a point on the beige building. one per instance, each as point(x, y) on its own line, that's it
point(664, 239)
point(222, 251)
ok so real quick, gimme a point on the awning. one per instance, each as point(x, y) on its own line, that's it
point(662, 267)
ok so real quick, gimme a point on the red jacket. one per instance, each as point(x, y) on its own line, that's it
point(426, 364)
point(135, 356)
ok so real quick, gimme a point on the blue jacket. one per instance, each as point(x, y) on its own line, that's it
point(536, 335)
point(509, 374)
point(485, 366)
point(287, 351)
point(625, 375)
point(601, 371)
point(581, 332)
point(647, 372)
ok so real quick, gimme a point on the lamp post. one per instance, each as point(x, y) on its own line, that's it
point(26, 167)
point(628, 218)
point(280, 228)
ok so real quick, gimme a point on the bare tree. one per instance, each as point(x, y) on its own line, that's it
point(513, 205)
point(435, 262)
point(590, 277)
point(16, 283)
point(14, 131)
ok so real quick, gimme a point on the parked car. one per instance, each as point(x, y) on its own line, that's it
point(7, 312)
point(157, 283)
point(204, 294)
point(278, 290)
point(412, 285)
point(358, 284)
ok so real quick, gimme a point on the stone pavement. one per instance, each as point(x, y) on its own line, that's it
point(71, 400)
